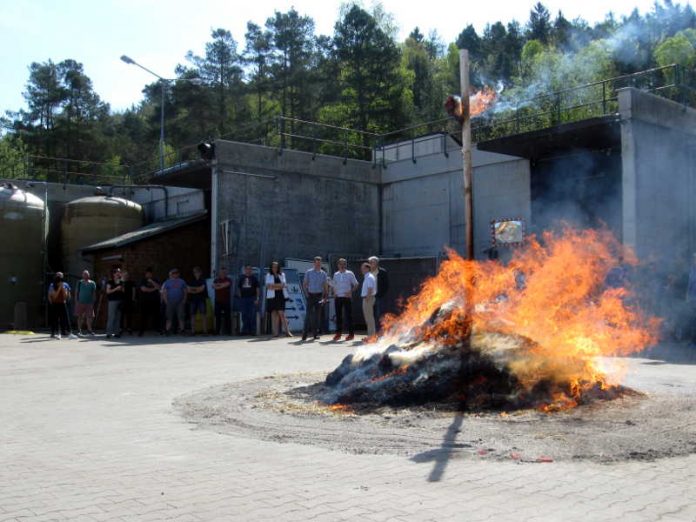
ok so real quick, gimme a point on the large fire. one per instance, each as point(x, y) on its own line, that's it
point(553, 294)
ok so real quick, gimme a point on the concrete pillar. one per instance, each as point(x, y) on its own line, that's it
point(629, 173)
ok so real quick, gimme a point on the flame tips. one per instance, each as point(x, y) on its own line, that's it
point(555, 293)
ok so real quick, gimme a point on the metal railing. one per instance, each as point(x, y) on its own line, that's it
point(323, 138)
point(505, 118)
point(591, 100)
point(66, 170)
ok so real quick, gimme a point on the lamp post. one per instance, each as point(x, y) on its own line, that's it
point(163, 82)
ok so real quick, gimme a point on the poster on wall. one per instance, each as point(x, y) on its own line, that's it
point(295, 308)
point(329, 310)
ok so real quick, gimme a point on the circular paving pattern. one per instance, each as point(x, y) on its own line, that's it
point(284, 408)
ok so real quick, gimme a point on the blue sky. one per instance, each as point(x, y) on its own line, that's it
point(158, 33)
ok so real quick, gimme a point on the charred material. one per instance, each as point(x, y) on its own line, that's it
point(476, 375)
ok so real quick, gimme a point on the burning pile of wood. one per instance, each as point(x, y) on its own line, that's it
point(532, 333)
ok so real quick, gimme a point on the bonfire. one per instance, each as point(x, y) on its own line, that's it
point(538, 331)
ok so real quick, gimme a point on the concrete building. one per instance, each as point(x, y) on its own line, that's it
point(423, 201)
point(630, 170)
point(274, 205)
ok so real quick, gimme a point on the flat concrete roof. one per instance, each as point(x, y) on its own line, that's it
point(192, 174)
point(591, 134)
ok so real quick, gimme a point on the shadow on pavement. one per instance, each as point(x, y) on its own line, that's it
point(443, 454)
point(41, 340)
point(133, 340)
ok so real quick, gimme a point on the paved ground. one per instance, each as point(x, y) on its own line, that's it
point(87, 432)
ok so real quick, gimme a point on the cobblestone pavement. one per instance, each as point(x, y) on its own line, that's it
point(87, 432)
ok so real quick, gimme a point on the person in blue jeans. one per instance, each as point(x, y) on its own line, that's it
point(174, 298)
point(248, 290)
point(316, 285)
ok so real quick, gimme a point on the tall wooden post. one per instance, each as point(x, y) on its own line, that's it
point(466, 153)
point(468, 207)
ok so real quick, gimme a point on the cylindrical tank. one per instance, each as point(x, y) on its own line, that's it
point(89, 220)
point(23, 219)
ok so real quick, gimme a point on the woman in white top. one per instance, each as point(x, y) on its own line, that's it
point(276, 295)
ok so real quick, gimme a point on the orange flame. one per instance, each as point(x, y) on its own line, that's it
point(552, 292)
point(481, 100)
point(341, 408)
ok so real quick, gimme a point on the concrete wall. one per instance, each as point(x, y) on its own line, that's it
point(181, 202)
point(273, 206)
point(659, 177)
point(423, 206)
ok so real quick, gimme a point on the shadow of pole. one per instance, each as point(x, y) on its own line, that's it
point(442, 455)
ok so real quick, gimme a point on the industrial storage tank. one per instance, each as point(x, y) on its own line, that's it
point(89, 220)
point(24, 220)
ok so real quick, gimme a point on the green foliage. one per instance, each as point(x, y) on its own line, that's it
point(677, 49)
point(539, 26)
point(359, 77)
point(371, 83)
point(12, 157)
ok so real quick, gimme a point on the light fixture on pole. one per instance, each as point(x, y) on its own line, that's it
point(163, 82)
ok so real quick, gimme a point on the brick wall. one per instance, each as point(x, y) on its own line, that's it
point(183, 248)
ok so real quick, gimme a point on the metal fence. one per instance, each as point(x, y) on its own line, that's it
point(591, 100)
point(506, 117)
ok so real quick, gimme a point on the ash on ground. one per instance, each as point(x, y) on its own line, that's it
point(289, 408)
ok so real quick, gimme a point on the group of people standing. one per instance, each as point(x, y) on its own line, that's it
point(317, 285)
point(164, 306)
point(161, 306)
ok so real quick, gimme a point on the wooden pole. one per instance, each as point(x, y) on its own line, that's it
point(468, 207)
point(466, 154)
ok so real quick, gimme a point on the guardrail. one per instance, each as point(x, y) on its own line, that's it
point(505, 118)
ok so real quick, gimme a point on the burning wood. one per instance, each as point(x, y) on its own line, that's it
point(534, 334)
point(479, 102)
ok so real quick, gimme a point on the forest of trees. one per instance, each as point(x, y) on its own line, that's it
point(359, 77)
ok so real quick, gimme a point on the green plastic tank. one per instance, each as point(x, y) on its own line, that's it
point(93, 219)
point(24, 229)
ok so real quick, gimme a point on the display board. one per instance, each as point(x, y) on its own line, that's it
point(329, 310)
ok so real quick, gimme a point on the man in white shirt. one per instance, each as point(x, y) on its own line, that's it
point(369, 289)
point(344, 283)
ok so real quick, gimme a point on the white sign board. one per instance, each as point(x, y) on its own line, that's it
point(301, 266)
point(295, 308)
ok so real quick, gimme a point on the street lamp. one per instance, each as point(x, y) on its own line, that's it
point(163, 82)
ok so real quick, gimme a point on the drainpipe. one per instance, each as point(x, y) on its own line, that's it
point(214, 189)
